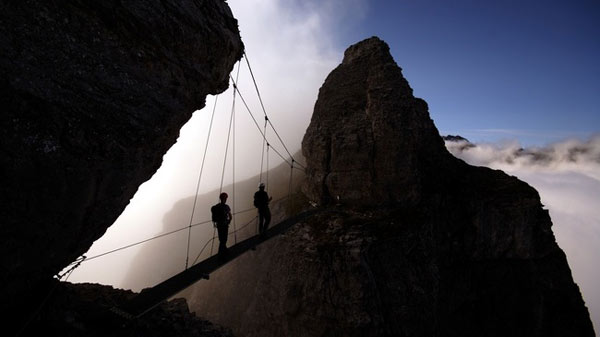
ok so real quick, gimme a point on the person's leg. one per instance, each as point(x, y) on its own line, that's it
point(261, 222)
point(267, 216)
point(222, 238)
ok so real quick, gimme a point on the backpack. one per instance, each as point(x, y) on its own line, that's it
point(218, 213)
point(261, 199)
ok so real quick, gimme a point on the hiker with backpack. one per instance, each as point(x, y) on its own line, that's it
point(261, 201)
point(221, 217)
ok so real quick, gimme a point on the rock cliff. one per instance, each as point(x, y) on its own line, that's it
point(93, 95)
point(83, 310)
point(421, 244)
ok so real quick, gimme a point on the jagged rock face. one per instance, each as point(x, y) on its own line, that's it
point(469, 253)
point(369, 140)
point(93, 95)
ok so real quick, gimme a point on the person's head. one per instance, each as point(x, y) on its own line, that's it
point(223, 197)
point(261, 186)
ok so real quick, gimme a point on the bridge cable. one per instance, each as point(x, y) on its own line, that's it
point(262, 158)
point(199, 179)
point(229, 131)
point(267, 183)
point(228, 138)
point(233, 171)
point(263, 106)
point(290, 191)
point(256, 123)
point(232, 121)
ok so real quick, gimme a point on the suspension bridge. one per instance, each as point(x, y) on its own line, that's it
point(197, 270)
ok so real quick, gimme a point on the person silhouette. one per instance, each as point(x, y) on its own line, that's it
point(221, 217)
point(261, 202)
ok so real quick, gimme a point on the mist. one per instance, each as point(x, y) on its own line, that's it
point(567, 176)
point(291, 50)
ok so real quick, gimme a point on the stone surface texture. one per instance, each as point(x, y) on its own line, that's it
point(422, 244)
point(93, 94)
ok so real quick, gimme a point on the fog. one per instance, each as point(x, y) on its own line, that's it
point(567, 176)
point(290, 50)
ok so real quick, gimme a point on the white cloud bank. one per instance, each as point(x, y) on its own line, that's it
point(567, 176)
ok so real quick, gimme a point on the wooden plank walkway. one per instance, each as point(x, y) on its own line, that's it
point(151, 297)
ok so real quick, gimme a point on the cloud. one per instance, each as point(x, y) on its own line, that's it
point(568, 155)
point(530, 137)
point(567, 176)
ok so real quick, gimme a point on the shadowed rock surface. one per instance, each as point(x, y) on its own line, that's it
point(84, 310)
point(93, 94)
point(370, 141)
point(424, 244)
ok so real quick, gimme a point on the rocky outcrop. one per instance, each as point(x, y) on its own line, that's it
point(453, 138)
point(86, 310)
point(369, 141)
point(421, 244)
point(93, 95)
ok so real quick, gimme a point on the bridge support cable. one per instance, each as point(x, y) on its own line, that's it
point(258, 126)
point(235, 90)
point(212, 117)
point(263, 106)
point(291, 183)
point(233, 176)
point(262, 158)
point(267, 182)
point(226, 152)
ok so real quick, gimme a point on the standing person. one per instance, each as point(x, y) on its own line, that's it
point(221, 217)
point(261, 201)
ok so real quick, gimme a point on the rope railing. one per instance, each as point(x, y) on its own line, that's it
point(149, 239)
point(212, 239)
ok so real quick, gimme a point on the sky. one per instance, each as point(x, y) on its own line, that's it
point(504, 74)
point(494, 70)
